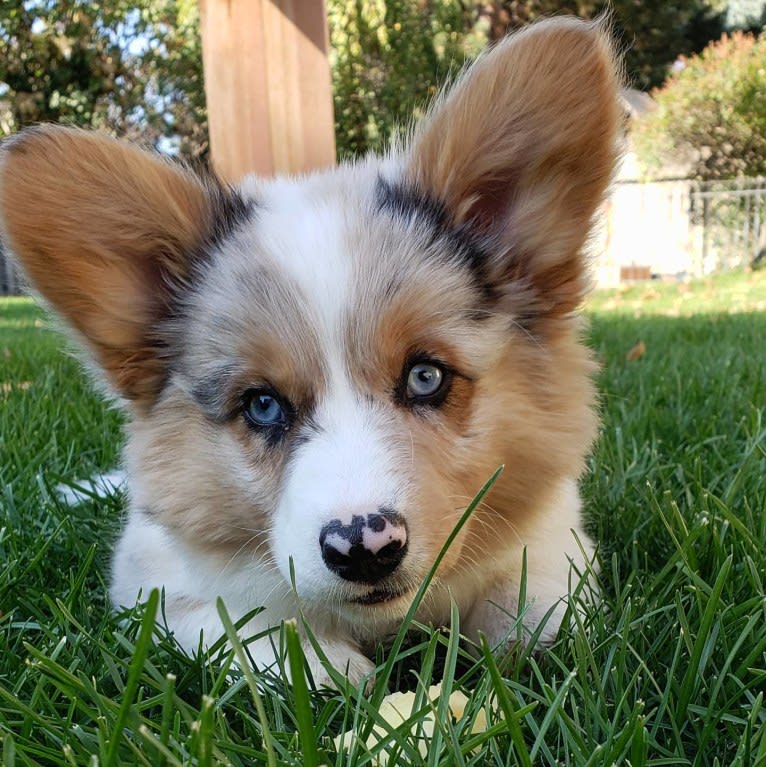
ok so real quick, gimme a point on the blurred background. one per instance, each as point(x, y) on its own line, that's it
point(690, 198)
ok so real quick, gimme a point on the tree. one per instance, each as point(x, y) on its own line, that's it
point(389, 56)
point(711, 114)
point(656, 32)
point(653, 33)
point(508, 15)
point(387, 59)
point(133, 68)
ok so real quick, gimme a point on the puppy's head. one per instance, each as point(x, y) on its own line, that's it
point(327, 369)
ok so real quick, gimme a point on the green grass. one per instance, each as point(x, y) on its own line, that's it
point(670, 669)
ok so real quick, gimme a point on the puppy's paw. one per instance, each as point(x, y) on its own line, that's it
point(343, 657)
point(504, 620)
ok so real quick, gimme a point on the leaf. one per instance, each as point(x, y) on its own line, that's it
point(636, 352)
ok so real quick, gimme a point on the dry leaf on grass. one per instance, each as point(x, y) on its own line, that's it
point(636, 352)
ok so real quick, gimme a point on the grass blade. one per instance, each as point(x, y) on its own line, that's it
point(244, 664)
point(143, 643)
point(303, 713)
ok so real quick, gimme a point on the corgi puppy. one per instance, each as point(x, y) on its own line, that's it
point(321, 372)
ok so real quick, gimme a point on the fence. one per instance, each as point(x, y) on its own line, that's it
point(680, 227)
point(10, 278)
point(731, 218)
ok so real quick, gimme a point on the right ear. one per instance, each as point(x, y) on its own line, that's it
point(520, 152)
point(109, 234)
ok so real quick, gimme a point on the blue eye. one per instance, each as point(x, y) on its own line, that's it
point(424, 380)
point(262, 408)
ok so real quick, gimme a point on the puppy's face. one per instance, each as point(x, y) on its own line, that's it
point(341, 388)
point(326, 370)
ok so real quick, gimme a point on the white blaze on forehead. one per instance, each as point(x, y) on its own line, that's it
point(305, 225)
point(301, 230)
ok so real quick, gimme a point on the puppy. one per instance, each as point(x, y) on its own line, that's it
point(324, 370)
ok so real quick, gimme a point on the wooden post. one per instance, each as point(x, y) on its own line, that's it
point(267, 84)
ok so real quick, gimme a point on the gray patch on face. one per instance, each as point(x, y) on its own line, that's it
point(211, 393)
point(460, 245)
point(244, 326)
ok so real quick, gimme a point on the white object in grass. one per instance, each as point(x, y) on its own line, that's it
point(397, 708)
point(99, 486)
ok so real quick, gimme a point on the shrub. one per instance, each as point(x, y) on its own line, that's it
point(711, 114)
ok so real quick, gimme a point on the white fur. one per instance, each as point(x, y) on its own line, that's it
point(99, 486)
point(344, 471)
point(557, 551)
point(148, 558)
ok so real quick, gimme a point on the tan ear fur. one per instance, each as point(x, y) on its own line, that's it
point(522, 150)
point(104, 231)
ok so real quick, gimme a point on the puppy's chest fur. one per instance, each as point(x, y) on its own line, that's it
point(321, 372)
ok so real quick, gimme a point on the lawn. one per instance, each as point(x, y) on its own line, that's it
point(669, 669)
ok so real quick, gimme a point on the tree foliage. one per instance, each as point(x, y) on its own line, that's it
point(387, 57)
point(656, 32)
point(652, 32)
point(133, 68)
point(711, 115)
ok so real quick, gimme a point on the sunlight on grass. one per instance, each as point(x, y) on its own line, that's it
point(731, 293)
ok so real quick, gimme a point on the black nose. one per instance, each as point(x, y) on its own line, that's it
point(366, 550)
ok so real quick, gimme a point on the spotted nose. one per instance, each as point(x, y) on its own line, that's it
point(367, 549)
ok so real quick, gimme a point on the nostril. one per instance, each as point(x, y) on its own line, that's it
point(366, 550)
point(376, 522)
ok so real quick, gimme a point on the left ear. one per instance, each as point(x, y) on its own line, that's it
point(110, 236)
point(521, 151)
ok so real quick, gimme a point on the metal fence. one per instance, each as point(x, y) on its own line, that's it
point(731, 217)
point(11, 283)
